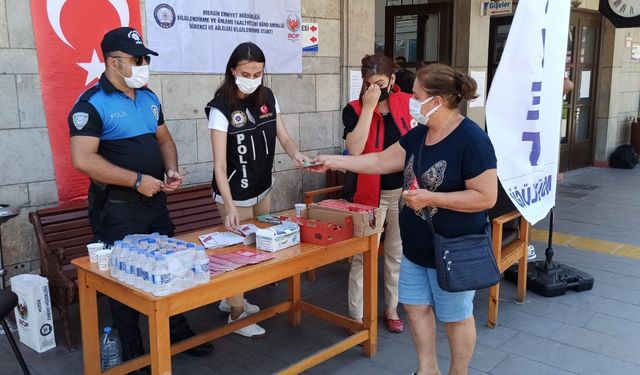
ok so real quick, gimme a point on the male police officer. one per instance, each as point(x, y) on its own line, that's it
point(119, 140)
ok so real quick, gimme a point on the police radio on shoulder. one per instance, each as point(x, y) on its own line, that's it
point(138, 181)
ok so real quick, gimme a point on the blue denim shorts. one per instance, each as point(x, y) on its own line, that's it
point(419, 286)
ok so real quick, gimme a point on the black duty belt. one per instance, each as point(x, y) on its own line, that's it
point(118, 194)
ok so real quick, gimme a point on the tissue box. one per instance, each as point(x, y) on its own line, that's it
point(323, 227)
point(278, 237)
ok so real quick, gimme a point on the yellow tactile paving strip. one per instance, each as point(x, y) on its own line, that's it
point(588, 244)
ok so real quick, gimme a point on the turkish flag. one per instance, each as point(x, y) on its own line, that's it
point(68, 35)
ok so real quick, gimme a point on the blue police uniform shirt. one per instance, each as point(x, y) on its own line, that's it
point(126, 127)
point(464, 154)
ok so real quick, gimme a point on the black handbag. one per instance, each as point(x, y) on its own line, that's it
point(464, 262)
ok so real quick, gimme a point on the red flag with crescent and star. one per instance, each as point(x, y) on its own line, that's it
point(68, 35)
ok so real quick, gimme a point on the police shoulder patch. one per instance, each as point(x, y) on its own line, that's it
point(156, 113)
point(80, 119)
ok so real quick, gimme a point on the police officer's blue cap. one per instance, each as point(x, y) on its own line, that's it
point(125, 39)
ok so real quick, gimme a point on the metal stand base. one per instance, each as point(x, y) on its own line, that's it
point(552, 281)
point(549, 279)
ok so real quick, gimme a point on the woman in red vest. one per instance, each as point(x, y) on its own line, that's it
point(371, 124)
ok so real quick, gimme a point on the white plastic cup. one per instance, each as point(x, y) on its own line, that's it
point(93, 248)
point(299, 207)
point(103, 259)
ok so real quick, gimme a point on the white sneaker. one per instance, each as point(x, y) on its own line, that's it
point(532, 253)
point(252, 330)
point(248, 308)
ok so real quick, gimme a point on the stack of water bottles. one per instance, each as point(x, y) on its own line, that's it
point(158, 264)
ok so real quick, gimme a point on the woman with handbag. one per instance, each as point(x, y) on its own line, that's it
point(449, 181)
point(372, 123)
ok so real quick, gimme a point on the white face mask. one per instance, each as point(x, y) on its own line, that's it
point(247, 85)
point(139, 76)
point(415, 108)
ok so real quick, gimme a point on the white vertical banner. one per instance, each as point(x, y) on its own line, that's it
point(199, 36)
point(524, 105)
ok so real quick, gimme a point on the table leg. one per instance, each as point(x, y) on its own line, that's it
point(89, 324)
point(160, 345)
point(370, 297)
point(295, 315)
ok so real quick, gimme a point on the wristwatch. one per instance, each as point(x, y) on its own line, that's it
point(138, 181)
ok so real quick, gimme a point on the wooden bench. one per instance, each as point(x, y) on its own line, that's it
point(63, 233)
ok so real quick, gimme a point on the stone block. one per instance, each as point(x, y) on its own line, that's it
point(316, 130)
point(197, 173)
point(204, 140)
point(630, 101)
point(19, 240)
point(30, 101)
point(282, 162)
point(329, 35)
point(25, 156)
point(295, 93)
point(184, 136)
point(4, 30)
point(320, 65)
point(287, 190)
point(155, 84)
point(9, 112)
point(360, 30)
point(292, 124)
point(19, 24)
point(312, 181)
point(328, 92)
point(42, 193)
point(184, 96)
point(321, 8)
point(20, 61)
point(14, 195)
point(338, 129)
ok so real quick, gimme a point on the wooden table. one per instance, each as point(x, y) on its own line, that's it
point(288, 264)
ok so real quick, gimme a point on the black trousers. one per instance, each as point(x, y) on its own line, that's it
point(112, 220)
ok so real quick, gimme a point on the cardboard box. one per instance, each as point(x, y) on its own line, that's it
point(364, 224)
point(323, 227)
point(278, 237)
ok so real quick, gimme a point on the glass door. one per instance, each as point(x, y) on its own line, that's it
point(578, 110)
point(420, 33)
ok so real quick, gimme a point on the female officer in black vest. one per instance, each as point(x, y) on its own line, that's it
point(244, 122)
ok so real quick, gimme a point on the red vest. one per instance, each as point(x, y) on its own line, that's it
point(368, 185)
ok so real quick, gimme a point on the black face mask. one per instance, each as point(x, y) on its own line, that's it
point(384, 94)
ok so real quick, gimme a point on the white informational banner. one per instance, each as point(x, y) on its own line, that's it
point(310, 37)
point(525, 102)
point(199, 36)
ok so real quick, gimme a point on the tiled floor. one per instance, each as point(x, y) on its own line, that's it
point(593, 332)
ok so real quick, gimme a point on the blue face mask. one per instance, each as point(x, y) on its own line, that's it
point(415, 108)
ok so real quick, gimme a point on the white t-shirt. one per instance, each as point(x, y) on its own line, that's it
point(218, 121)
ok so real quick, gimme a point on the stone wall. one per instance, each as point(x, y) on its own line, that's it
point(311, 104)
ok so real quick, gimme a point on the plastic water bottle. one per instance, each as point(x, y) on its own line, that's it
point(161, 277)
point(130, 276)
point(115, 253)
point(122, 262)
point(147, 268)
point(109, 350)
point(201, 273)
point(139, 263)
point(152, 244)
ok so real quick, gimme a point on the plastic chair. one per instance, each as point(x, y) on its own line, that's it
point(8, 301)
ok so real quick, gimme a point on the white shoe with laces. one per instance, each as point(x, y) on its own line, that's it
point(248, 308)
point(251, 331)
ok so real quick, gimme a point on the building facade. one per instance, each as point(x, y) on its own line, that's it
point(449, 31)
